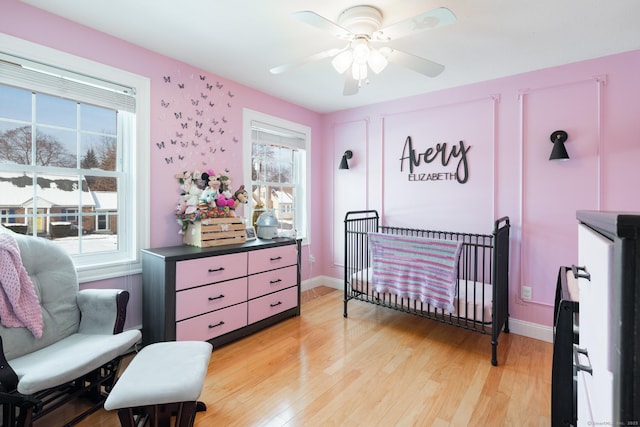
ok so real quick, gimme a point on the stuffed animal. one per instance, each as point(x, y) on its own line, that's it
point(192, 199)
point(221, 200)
point(240, 196)
point(208, 196)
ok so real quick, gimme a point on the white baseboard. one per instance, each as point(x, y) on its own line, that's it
point(519, 327)
point(330, 282)
point(531, 330)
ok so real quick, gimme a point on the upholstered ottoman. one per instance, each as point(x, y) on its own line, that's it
point(164, 379)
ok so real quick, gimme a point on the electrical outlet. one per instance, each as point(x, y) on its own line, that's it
point(312, 258)
point(527, 292)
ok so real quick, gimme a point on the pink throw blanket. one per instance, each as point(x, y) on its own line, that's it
point(19, 305)
point(416, 267)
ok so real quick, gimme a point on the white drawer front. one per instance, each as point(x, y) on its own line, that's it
point(196, 301)
point(596, 337)
point(272, 304)
point(213, 324)
point(269, 259)
point(585, 417)
point(201, 271)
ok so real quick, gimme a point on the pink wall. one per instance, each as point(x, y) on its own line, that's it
point(167, 159)
point(507, 122)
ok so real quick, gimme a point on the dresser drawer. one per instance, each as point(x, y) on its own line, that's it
point(272, 281)
point(201, 271)
point(268, 259)
point(195, 301)
point(269, 305)
point(213, 324)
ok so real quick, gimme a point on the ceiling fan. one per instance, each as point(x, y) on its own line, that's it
point(367, 45)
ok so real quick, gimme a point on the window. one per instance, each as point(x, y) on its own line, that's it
point(7, 216)
point(277, 151)
point(69, 215)
point(71, 139)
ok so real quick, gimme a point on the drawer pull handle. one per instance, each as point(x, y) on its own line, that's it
point(276, 304)
point(275, 258)
point(216, 325)
point(213, 270)
point(215, 298)
point(576, 351)
point(577, 272)
point(273, 282)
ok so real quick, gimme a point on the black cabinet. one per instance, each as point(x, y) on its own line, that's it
point(565, 335)
point(219, 294)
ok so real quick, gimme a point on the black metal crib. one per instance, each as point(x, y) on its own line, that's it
point(482, 304)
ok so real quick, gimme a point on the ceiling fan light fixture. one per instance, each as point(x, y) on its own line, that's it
point(342, 61)
point(359, 71)
point(361, 25)
point(361, 51)
point(377, 61)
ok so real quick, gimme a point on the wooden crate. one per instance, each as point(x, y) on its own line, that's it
point(215, 232)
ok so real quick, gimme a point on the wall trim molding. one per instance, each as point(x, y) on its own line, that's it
point(524, 248)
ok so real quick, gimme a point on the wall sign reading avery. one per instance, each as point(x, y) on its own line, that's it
point(441, 154)
point(438, 166)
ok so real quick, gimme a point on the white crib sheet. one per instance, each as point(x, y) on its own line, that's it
point(463, 304)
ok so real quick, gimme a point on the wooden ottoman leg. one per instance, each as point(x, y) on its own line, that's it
point(126, 417)
point(186, 414)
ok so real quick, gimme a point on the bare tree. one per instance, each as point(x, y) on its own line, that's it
point(107, 154)
point(16, 145)
point(273, 167)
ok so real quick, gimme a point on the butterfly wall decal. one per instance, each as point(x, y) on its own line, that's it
point(187, 108)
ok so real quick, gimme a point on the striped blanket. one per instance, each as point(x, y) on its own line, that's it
point(416, 267)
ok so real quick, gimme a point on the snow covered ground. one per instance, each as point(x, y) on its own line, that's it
point(91, 243)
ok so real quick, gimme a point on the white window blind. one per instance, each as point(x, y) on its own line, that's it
point(264, 133)
point(38, 77)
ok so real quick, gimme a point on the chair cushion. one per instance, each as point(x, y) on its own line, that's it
point(69, 358)
point(54, 277)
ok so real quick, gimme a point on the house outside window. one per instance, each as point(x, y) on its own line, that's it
point(71, 143)
point(277, 151)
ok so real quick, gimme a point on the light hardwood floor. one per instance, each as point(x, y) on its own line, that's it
point(375, 368)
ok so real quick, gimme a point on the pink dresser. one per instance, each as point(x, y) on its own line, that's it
point(219, 294)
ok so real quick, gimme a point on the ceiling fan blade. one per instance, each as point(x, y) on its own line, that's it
point(351, 85)
point(416, 63)
point(318, 56)
point(323, 23)
point(429, 20)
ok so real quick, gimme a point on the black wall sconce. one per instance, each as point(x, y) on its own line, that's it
point(559, 152)
point(346, 156)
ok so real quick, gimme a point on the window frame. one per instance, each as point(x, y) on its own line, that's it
point(135, 200)
point(248, 116)
point(69, 214)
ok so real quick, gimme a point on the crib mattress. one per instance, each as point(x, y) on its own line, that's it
point(469, 304)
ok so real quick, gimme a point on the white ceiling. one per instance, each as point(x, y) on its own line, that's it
point(242, 39)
